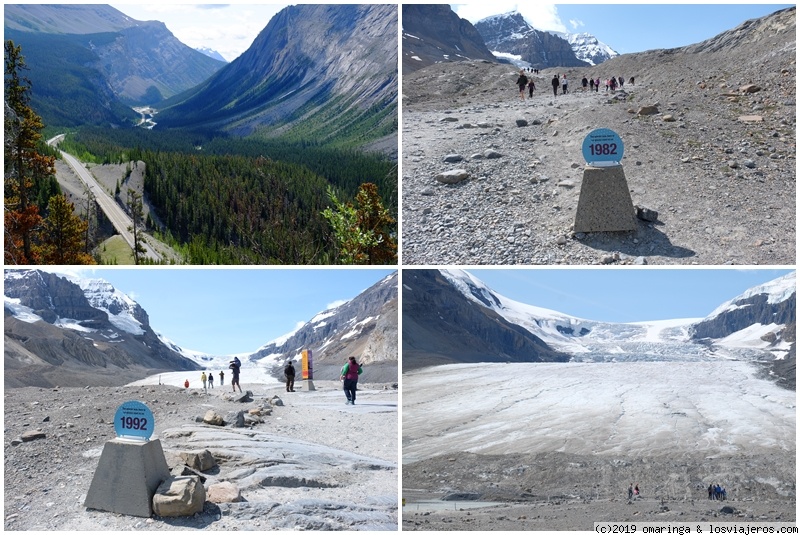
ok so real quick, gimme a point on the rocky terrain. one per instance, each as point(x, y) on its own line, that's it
point(710, 145)
point(314, 462)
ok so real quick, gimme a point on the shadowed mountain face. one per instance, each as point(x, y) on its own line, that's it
point(442, 326)
point(335, 65)
point(433, 33)
point(83, 58)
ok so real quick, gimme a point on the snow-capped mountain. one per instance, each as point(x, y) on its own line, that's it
point(757, 326)
point(211, 53)
point(509, 36)
point(588, 48)
point(65, 331)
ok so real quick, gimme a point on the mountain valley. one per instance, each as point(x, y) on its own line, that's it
point(709, 137)
point(672, 405)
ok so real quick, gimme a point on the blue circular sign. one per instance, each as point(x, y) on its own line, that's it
point(134, 419)
point(602, 147)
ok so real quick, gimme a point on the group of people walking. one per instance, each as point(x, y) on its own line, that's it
point(208, 380)
point(593, 84)
point(348, 375)
point(633, 491)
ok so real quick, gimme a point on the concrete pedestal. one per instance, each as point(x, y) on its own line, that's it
point(127, 477)
point(605, 202)
point(309, 385)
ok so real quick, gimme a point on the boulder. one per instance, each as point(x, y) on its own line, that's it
point(750, 88)
point(452, 177)
point(179, 496)
point(275, 401)
point(224, 492)
point(28, 436)
point(522, 122)
point(647, 110)
point(453, 158)
point(247, 397)
point(199, 460)
point(183, 470)
point(212, 418)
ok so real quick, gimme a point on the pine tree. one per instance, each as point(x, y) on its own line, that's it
point(23, 165)
point(136, 210)
point(63, 234)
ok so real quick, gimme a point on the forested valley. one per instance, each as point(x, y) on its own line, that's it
point(228, 200)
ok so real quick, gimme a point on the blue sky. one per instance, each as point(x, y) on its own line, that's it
point(626, 295)
point(234, 310)
point(628, 27)
point(227, 28)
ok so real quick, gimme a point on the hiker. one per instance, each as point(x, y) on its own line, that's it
point(522, 81)
point(203, 378)
point(531, 88)
point(711, 491)
point(555, 85)
point(613, 83)
point(591, 85)
point(597, 85)
point(288, 372)
point(631, 81)
point(221, 378)
point(630, 492)
point(349, 377)
point(564, 84)
point(621, 82)
point(636, 490)
point(235, 365)
point(584, 83)
point(210, 380)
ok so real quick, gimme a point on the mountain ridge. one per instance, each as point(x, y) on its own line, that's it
point(743, 335)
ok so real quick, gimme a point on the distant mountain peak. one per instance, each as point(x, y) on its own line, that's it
point(211, 53)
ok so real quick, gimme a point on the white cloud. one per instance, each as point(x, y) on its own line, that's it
point(540, 16)
point(576, 24)
point(335, 304)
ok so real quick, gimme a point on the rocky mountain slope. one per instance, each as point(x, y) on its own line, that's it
point(365, 327)
point(451, 316)
point(329, 69)
point(83, 52)
point(710, 145)
point(433, 33)
point(84, 332)
point(510, 34)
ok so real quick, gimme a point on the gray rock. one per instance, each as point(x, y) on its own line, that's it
point(453, 176)
point(522, 122)
point(646, 214)
point(224, 492)
point(491, 154)
point(449, 119)
point(201, 461)
point(453, 158)
point(29, 436)
point(647, 110)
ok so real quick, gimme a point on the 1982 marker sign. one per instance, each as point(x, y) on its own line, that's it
point(602, 146)
point(134, 419)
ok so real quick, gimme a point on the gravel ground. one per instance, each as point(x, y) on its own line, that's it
point(724, 186)
point(350, 450)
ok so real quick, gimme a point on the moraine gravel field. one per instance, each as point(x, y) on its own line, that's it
point(715, 160)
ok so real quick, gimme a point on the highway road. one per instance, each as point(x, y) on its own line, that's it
point(118, 217)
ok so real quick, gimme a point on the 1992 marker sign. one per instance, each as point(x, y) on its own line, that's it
point(134, 419)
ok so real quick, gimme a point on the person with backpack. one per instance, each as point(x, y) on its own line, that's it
point(522, 81)
point(210, 380)
point(349, 377)
point(288, 373)
point(235, 365)
point(554, 83)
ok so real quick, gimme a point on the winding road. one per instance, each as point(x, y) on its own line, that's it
point(118, 217)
